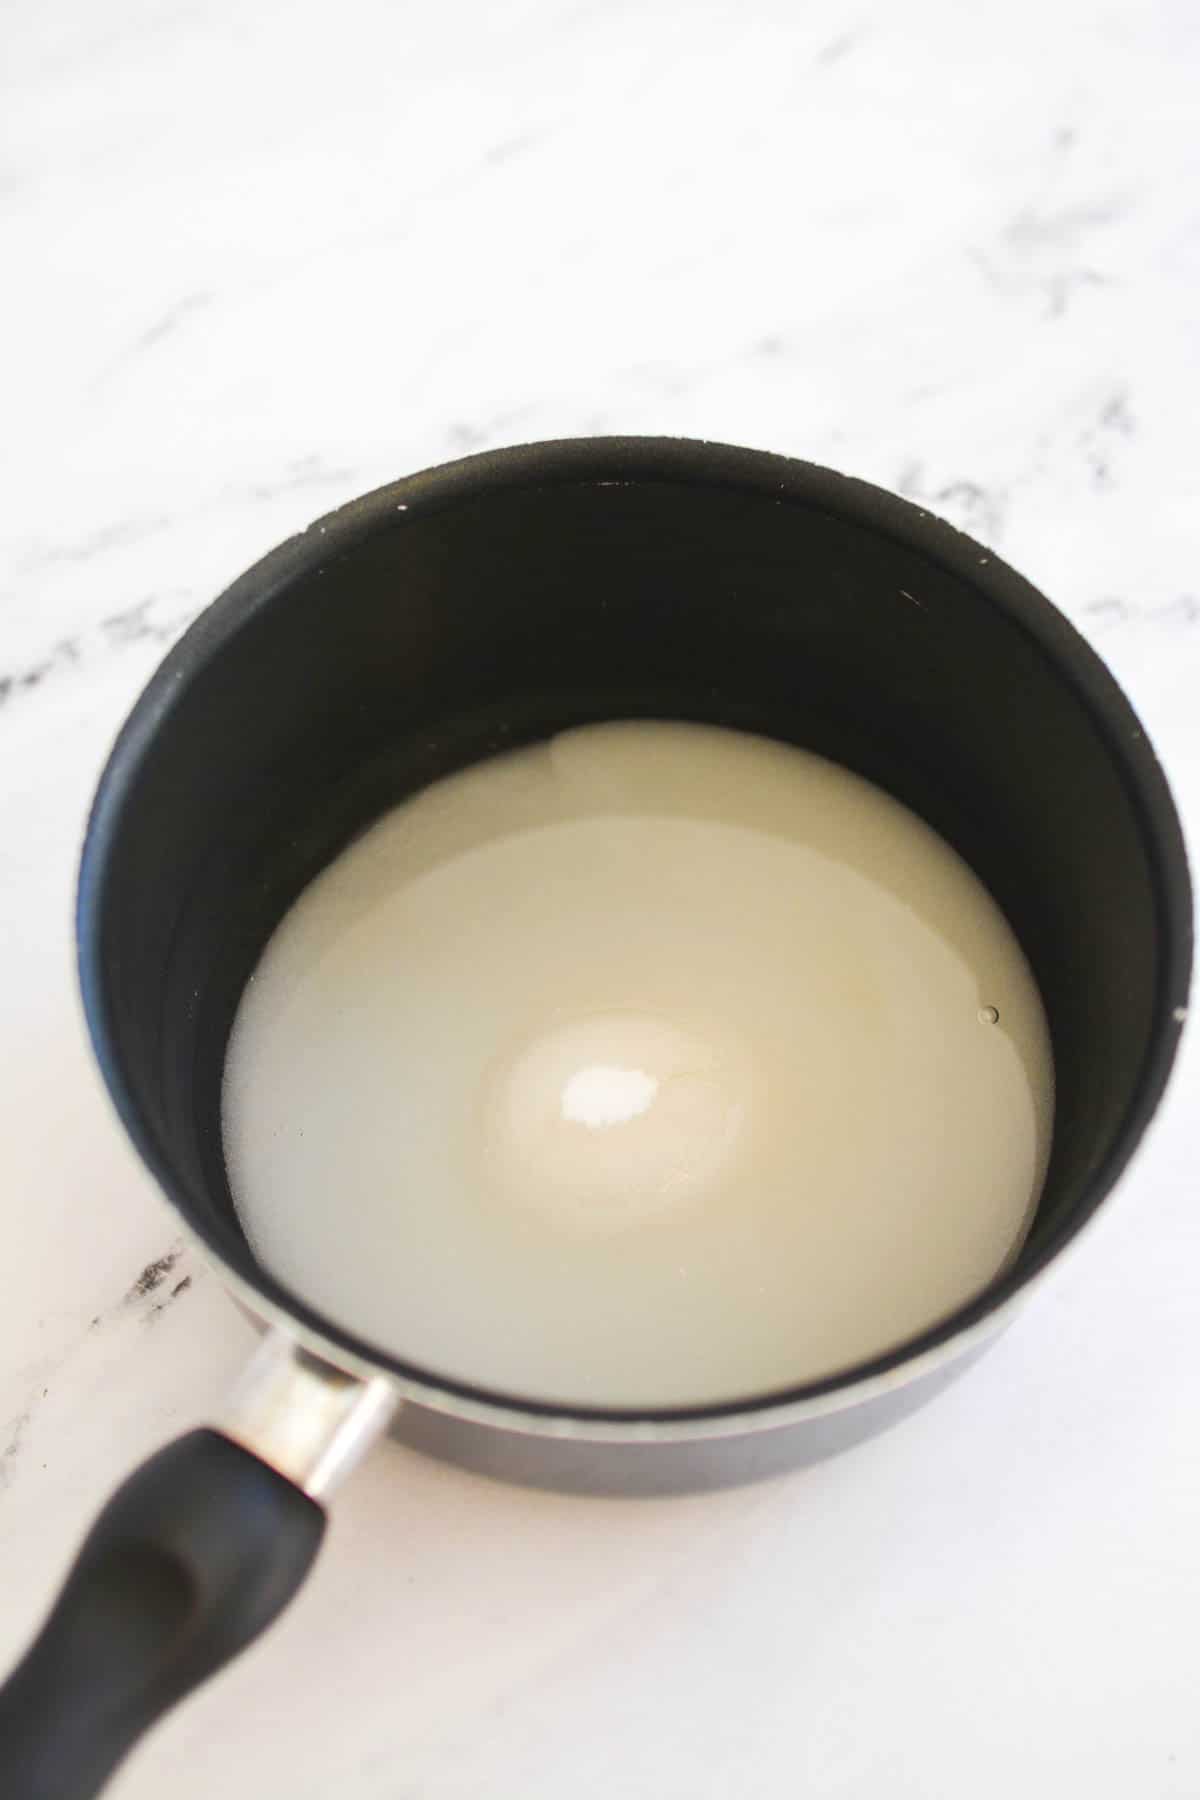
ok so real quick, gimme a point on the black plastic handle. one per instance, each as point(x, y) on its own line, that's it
point(190, 1560)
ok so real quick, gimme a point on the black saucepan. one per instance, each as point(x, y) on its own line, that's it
point(465, 611)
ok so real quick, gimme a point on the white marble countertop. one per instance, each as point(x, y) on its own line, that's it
point(258, 261)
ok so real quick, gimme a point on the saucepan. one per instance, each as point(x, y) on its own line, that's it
point(465, 611)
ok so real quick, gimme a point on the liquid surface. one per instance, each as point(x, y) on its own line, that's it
point(657, 1065)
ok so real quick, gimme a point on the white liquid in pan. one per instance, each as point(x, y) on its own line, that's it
point(652, 1066)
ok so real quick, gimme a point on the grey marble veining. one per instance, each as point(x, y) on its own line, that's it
point(259, 262)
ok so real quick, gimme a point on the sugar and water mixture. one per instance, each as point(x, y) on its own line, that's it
point(655, 1065)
